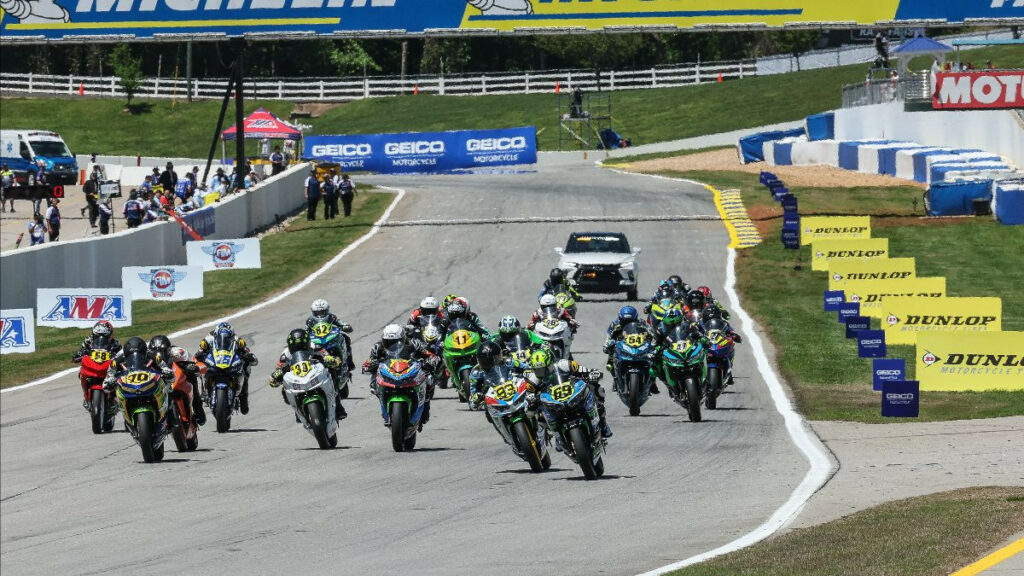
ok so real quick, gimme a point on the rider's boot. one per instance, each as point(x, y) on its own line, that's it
point(243, 397)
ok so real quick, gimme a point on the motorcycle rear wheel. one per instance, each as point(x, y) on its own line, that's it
point(693, 399)
point(398, 426)
point(528, 445)
point(178, 433)
point(343, 393)
point(222, 410)
point(634, 394)
point(98, 411)
point(144, 428)
point(193, 443)
point(317, 422)
point(581, 448)
point(714, 387)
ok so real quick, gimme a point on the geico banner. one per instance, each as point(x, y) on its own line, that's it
point(17, 331)
point(825, 251)
point(842, 271)
point(834, 228)
point(871, 294)
point(959, 361)
point(224, 254)
point(149, 19)
point(83, 307)
point(979, 89)
point(163, 282)
point(904, 318)
point(426, 151)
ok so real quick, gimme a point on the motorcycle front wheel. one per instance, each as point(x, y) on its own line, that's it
point(581, 447)
point(634, 394)
point(693, 399)
point(398, 425)
point(528, 445)
point(178, 430)
point(318, 423)
point(98, 411)
point(714, 386)
point(144, 426)
point(464, 384)
point(222, 410)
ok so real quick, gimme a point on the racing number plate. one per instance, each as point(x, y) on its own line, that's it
point(136, 378)
point(504, 392)
point(550, 323)
point(99, 356)
point(562, 392)
point(300, 369)
point(321, 330)
point(635, 340)
point(682, 346)
point(461, 338)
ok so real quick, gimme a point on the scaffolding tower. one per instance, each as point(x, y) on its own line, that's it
point(581, 119)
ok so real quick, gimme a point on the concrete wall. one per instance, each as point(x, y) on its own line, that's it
point(97, 262)
point(996, 131)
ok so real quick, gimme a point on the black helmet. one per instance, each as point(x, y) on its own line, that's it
point(162, 345)
point(135, 345)
point(488, 355)
point(298, 340)
point(717, 323)
point(556, 276)
point(677, 282)
point(696, 300)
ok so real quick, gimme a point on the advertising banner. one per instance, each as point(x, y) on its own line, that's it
point(906, 317)
point(17, 331)
point(962, 361)
point(202, 222)
point(872, 293)
point(834, 228)
point(833, 300)
point(839, 271)
point(224, 254)
point(96, 20)
point(426, 151)
point(871, 344)
point(163, 282)
point(83, 307)
point(978, 89)
point(855, 324)
point(887, 370)
point(847, 310)
point(825, 251)
point(901, 399)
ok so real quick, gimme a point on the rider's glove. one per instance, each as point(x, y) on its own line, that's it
point(76, 357)
point(476, 400)
point(346, 327)
point(595, 376)
point(332, 361)
point(609, 344)
point(191, 368)
point(531, 400)
point(737, 338)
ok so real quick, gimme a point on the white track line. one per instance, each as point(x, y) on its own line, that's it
point(260, 305)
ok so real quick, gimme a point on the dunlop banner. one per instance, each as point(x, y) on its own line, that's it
point(958, 361)
point(840, 271)
point(871, 294)
point(906, 317)
point(834, 228)
point(824, 251)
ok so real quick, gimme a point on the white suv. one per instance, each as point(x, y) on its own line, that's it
point(600, 262)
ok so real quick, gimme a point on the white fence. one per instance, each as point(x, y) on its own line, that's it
point(345, 89)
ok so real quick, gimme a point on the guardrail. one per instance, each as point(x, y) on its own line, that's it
point(913, 87)
point(346, 89)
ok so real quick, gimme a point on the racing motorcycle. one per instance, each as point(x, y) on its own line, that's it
point(517, 350)
point(659, 310)
point(142, 396)
point(632, 361)
point(181, 418)
point(326, 338)
point(566, 301)
point(310, 391)
point(460, 347)
point(507, 402)
point(431, 333)
point(570, 410)
point(225, 373)
point(684, 369)
point(556, 332)
point(721, 350)
point(402, 390)
point(102, 403)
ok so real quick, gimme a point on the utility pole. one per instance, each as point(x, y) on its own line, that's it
point(188, 69)
point(239, 114)
point(405, 56)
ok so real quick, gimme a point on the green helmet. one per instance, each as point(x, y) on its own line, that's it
point(673, 317)
point(541, 361)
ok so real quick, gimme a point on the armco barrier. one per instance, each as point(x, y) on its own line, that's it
point(97, 262)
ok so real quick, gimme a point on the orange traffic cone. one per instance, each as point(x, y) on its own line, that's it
point(719, 76)
point(558, 88)
point(81, 88)
point(416, 89)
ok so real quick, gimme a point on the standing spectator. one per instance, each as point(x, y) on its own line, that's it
point(106, 214)
point(169, 179)
point(193, 177)
point(289, 151)
point(6, 183)
point(312, 194)
point(133, 210)
point(330, 197)
point(91, 189)
point(37, 202)
point(37, 230)
point(276, 161)
point(53, 219)
point(348, 191)
point(183, 189)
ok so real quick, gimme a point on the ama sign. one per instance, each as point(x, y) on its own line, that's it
point(17, 331)
point(83, 307)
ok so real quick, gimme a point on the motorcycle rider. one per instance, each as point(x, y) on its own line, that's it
point(459, 308)
point(429, 306)
point(557, 282)
point(248, 358)
point(712, 303)
point(627, 315)
point(102, 336)
point(720, 324)
point(549, 306)
point(487, 358)
point(298, 341)
point(682, 288)
point(321, 312)
point(695, 303)
point(135, 349)
point(665, 291)
point(509, 328)
point(541, 374)
point(411, 349)
point(178, 356)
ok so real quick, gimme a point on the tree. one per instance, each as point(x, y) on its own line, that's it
point(128, 68)
point(796, 42)
point(351, 59)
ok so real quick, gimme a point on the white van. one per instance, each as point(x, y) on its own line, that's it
point(23, 150)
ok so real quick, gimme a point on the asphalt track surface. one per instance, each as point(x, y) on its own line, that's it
point(263, 500)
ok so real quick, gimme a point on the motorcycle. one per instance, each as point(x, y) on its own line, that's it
point(721, 350)
point(570, 410)
point(507, 402)
point(224, 376)
point(460, 347)
point(431, 331)
point(556, 332)
point(402, 390)
point(102, 403)
point(633, 358)
point(327, 339)
point(184, 428)
point(566, 301)
point(658, 311)
point(684, 369)
point(310, 391)
point(142, 397)
point(518, 350)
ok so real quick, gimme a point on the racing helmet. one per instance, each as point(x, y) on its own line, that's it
point(320, 308)
point(677, 282)
point(541, 362)
point(224, 328)
point(161, 345)
point(431, 334)
point(556, 276)
point(465, 302)
point(392, 334)
point(429, 305)
point(103, 328)
point(488, 355)
point(135, 352)
point(547, 300)
point(456, 308)
point(178, 354)
point(705, 291)
point(448, 300)
point(628, 314)
point(696, 299)
point(298, 340)
point(509, 325)
point(717, 324)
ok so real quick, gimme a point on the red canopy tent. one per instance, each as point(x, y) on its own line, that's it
point(264, 124)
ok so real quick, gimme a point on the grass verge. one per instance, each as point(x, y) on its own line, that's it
point(226, 290)
point(820, 364)
point(926, 536)
point(625, 160)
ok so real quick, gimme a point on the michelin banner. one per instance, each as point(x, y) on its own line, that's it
point(906, 318)
point(101, 20)
point(83, 307)
point(426, 151)
point(163, 282)
point(958, 361)
point(224, 254)
point(17, 331)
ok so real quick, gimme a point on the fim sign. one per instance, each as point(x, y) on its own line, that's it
point(871, 344)
point(900, 399)
point(234, 254)
point(887, 370)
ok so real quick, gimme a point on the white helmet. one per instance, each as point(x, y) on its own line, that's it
point(178, 354)
point(320, 307)
point(429, 303)
point(392, 333)
point(431, 333)
point(547, 300)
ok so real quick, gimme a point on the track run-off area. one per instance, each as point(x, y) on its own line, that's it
point(263, 499)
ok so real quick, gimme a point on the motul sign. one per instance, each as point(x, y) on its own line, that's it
point(983, 89)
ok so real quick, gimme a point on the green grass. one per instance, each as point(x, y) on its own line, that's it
point(620, 160)
point(645, 116)
point(226, 290)
point(926, 536)
point(820, 364)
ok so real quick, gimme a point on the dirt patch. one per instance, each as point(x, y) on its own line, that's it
point(726, 159)
point(315, 109)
